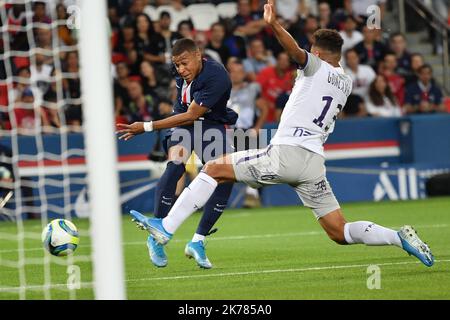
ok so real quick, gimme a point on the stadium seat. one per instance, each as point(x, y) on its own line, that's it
point(203, 15)
point(176, 15)
point(150, 11)
point(227, 9)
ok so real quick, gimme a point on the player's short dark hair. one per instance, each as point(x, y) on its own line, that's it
point(328, 39)
point(183, 45)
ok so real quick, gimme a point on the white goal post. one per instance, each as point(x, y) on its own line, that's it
point(101, 151)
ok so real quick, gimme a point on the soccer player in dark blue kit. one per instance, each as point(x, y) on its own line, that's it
point(203, 88)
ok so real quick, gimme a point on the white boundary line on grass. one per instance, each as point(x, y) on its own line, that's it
point(242, 237)
point(225, 274)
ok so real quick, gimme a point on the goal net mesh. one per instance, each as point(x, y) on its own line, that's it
point(42, 167)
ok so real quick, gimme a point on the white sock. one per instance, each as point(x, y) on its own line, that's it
point(192, 198)
point(370, 234)
point(252, 192)
point(198, 237)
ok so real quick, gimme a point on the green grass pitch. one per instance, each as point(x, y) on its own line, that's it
point(267, 253)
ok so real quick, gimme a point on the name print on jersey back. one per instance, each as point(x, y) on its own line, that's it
point(319, 94)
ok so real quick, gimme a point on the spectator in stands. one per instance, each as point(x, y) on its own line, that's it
point(396, 82)
point(23, 82)
point(149, 44)
point(40, 73)
point(49, 110)
point(72, 86)
point(359, 8)
point(307, 7)
point(397, 43)
point(424, 96)
point(259, 58)
point(201, 41)
point(246, 22)
point(149, 82)
point(246, 101)
point(417, 61)
point(43, 38)
point(216, 42)
point(325, 19)
point(17, 17)
point(72, 67)
point(276, 80)
point(40, 12)
point(125, 40)
point(280, 103)
point(380, 101)
point(252, 112)
point(169, 36)
point(362, 75)
point(349, 34)
point(354, 107)
point(24, 113)
point(370, 51)
point(64, 32)
point(121, 96)
point(141, 107)
point(135, 9)
point(288, 9)
point(186, 29)
point(305, 38)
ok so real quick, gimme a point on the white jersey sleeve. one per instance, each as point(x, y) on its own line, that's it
point(319, 94)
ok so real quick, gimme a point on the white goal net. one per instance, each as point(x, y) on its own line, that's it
point(57, 150)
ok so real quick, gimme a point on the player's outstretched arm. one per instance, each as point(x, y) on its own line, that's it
point(128, 131)
point(285, 39)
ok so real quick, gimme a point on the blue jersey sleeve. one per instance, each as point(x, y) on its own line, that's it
point(213, 88)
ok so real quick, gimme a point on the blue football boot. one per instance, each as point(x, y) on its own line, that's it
point(412, 244)
point(152, 225)
point(156, 251)
point(196, 250)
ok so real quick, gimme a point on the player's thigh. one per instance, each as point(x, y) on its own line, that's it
point(179, 144)
point(314, 189)
point(257, 167)
point(221, 168)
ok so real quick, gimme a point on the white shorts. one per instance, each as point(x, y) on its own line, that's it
point(283, 164)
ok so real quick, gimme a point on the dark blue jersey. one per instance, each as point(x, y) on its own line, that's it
point(211, 89)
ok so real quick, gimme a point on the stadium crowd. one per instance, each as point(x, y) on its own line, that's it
point(389, 81)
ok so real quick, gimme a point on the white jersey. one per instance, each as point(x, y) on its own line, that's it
point(319, 94)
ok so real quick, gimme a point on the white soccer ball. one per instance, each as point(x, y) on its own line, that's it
point(60, 237)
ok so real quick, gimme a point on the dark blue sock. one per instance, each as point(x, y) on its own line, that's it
point(166, 187)
point(214, 207)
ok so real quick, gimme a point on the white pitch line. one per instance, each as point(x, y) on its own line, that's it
point(244, 273)
point(239, 237)
point(224, 274)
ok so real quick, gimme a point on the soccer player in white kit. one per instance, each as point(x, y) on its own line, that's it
point(295, 154)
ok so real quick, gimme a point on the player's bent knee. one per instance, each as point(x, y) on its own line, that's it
point(211, 169)
point(218, 171)
point(338, 238)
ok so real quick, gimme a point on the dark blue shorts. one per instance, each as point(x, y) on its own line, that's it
point(209, 141)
